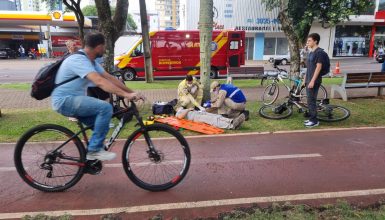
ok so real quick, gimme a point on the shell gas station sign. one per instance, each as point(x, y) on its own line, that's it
point(57, 16)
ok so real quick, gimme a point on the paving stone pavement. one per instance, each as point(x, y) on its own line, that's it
point(16, 99)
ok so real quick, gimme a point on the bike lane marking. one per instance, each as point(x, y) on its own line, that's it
point(200, 161)
point(201, 204)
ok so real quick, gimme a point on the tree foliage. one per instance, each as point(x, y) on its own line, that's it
point(90, 10)
point(327, 12)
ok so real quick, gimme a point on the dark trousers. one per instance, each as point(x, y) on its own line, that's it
point(312, 101)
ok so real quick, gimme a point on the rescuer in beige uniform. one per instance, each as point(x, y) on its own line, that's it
point(190, 93)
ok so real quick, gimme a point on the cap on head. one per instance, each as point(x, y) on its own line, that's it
point(214, 85)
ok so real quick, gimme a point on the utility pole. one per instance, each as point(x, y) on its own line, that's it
point(205, 34)
point(146, 42)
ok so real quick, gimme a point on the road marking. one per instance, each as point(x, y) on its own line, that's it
point(202, 161)
point(200, 204)
point(290, 156)
point(256, 133)
point(6, 169)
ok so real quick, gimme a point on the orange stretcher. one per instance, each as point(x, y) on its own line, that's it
point(190, 125)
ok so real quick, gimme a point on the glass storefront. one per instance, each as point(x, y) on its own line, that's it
point(249, 48)
point(276, 46)
point(351, 41)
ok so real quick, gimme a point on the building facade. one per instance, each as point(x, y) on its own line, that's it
point(168, 13)
point(10, 5)
point(360, 36)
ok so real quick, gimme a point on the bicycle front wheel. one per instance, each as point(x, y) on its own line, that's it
point(160, 166)
point(270, 94)
point(48, 160)
point(333, 113)
point(275, 111)
point(322, 94)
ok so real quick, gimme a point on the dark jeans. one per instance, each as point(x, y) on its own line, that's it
point(312, 101)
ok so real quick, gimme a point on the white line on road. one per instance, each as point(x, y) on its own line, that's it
point(291, 156)
point(200, 161)
point(200, 204)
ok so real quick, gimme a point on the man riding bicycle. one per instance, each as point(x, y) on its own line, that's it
point(70, 99)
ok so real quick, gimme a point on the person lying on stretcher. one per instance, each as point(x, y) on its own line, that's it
point(209, 118)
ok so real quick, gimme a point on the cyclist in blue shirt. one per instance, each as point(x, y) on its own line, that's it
point(70, 99)
point(227, 100)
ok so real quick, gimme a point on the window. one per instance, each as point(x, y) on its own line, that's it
point(234, 45)
point(282, 46)
point(138, 51)
point(381, 5)
point(269, 48)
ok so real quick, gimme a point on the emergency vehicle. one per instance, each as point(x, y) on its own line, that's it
point(177, 53)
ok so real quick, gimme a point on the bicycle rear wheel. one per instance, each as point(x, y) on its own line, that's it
point(42, 165)
point(159, 170)
point(322, 94)
point(270, 94)
point(333, 113)
point(276, 111)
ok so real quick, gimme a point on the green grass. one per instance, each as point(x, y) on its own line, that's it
point(364, 112)
point(170, 84)
point(340, 211)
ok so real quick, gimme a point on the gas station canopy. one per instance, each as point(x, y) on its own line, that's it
point(55, 18)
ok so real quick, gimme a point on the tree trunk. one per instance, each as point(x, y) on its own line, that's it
point(111, 30)
point(74, 6)
point(205, 34)
point(146, 42)
point(294, 41)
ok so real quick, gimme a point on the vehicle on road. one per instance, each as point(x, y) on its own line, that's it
point(281, 59)
point(7, 53)
point(177, 53)
point(52, 158)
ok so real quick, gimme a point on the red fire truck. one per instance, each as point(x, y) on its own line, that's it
point(176, 53)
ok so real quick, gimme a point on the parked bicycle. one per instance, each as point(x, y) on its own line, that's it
point(52, 158)
point(271, 92)
point(270, 75)
point(326, 112)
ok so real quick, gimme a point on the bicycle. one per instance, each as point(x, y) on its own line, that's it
point(271, 92)
point(269, 76)
point(52, 158)
point(326, 112)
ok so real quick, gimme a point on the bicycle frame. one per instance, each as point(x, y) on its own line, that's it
point(127, 114)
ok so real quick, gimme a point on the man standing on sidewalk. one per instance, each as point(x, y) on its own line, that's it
point(313, 78)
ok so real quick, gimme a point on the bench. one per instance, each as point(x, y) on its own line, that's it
point(359, 80)
point(246, 70)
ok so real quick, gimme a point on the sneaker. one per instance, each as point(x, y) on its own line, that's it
point(306, 121)
point(311, 124)
point(246, 113)
point(238, 121)
point(101, 155)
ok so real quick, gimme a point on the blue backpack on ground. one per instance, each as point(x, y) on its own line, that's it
point(44, 82)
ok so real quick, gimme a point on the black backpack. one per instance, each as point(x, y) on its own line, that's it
point(325, 66)
point(44, 81)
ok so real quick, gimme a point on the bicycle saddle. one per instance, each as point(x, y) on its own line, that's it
point(272, 74)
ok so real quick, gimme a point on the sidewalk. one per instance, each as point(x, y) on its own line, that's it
point(14, 99)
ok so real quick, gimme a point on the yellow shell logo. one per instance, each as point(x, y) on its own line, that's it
point(56, 15)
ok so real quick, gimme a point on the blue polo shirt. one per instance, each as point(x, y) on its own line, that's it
point(234, 93)
point(75, 65)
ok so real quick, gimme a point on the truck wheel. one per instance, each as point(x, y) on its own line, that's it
point(284, 62)
point(129, 75)
point(213, 73)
